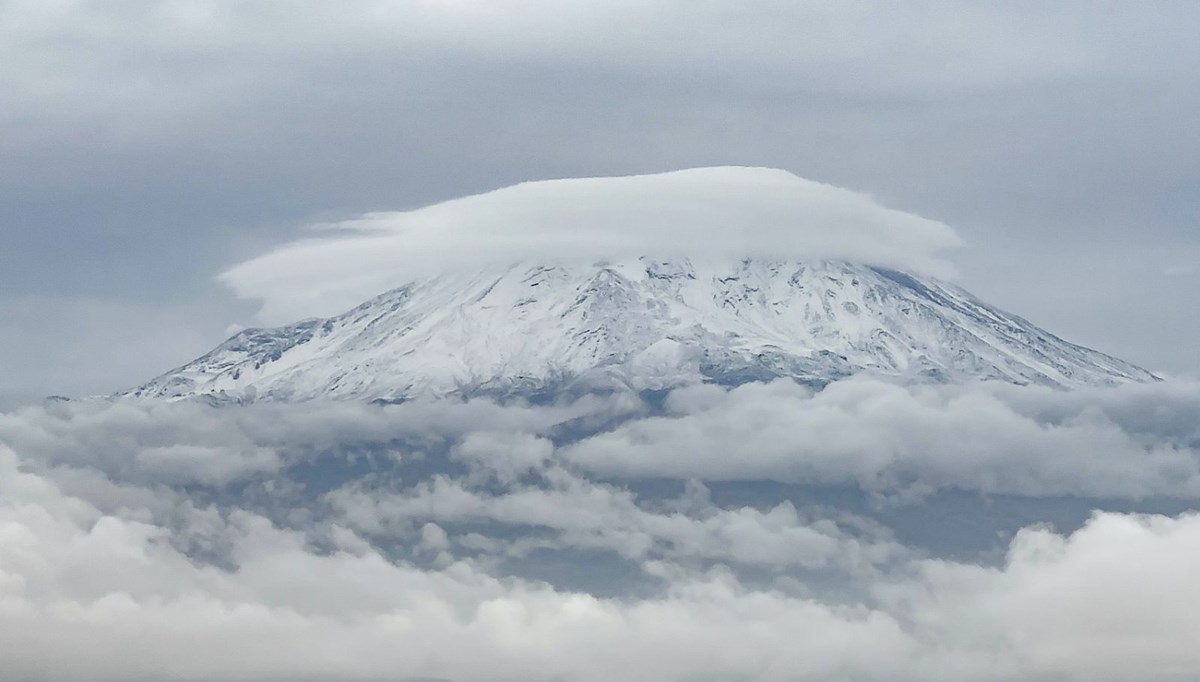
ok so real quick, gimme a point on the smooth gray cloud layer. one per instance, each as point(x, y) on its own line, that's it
point(147, 145)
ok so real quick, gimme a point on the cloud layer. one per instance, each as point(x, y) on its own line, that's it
point(600, 539)
point(1109, 602)
point(727, 212)
point(1129, 442)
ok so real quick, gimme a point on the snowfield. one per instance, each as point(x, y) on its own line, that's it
point(640, 324)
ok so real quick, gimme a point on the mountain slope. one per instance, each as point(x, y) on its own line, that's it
point(640, 324)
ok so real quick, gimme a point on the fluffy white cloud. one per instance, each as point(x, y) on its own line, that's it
point(505, 456)
point(108, 551)
point(196, 443)
point(588, 515)
point(128, 606)
point(703, 212)
point(1112, 601)
point(1130, 442)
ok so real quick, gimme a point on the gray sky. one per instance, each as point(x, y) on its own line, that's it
point(146, 146)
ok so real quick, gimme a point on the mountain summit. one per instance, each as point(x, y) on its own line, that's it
point(639, 324)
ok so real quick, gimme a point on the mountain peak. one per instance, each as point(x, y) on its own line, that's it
point(639, 324)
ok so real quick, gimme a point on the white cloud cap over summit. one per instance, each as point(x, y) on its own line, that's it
point(700, 212)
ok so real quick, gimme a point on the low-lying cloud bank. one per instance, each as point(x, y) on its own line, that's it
point(363, 542)
point(1128, 442)
point(713, 211)
point(1109, 602)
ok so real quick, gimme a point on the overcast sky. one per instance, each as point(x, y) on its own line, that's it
point(147, 146)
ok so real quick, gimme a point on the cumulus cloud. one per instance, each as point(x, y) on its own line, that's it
point(191, 442)
point(702, 212)
point(129, 606)
point(588, 515)
point(1111, 601)
point(177, 541)
point(1126, 442)
point(1131, 441)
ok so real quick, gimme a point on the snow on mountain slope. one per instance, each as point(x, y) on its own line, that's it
point(639, 324)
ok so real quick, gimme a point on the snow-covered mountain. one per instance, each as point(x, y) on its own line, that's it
point(639, 324)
